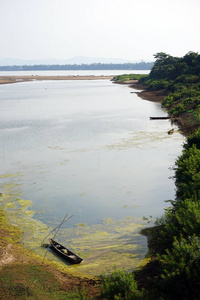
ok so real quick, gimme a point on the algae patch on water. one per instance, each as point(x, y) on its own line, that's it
point(140, 140)
point(18, 213)
point(9, 175)
point(112, 242)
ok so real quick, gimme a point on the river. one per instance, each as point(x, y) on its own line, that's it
point(89, 149)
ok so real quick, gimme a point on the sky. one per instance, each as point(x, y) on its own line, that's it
point(126, 29)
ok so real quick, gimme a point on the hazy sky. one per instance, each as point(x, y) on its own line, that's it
point(129, 29)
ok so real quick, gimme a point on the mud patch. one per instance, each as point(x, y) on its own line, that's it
point(5, 256)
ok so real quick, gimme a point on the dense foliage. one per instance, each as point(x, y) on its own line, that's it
point(175, 241)
point(119, 285)
point(95, 66)
point(180, 77)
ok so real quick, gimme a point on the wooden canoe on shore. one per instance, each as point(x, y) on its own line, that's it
point(159, 118)
point(64, 252)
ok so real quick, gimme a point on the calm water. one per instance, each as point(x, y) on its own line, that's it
point(87, 148)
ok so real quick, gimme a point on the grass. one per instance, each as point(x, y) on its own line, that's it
point(31, 281)
point(127, 77)
point(21, 281)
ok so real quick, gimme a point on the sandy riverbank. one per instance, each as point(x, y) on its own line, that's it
point(14, 79)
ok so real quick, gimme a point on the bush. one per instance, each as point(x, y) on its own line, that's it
point(119, 285)
point(193, 139)
point(181, 268)
point(187, 173)
point(126, 77)
point(181, 220)
point(168, 101)
point(159, 84)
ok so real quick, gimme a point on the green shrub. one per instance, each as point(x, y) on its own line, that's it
point(119, 285)
point(187, 173)
point(126, 77)
point(181, 220)
point(181, 268)
point(159, 84)
point(168, 100)
point(176, 238)
point(193, 139)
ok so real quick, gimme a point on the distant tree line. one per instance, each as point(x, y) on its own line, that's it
point(95, 66)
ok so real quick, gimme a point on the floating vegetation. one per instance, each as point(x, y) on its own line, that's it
point(140, 140)
point(56, 147)
point(18, 213)
point(81, 224)
point(64, 162)
point(10, 175)
point(113, 242)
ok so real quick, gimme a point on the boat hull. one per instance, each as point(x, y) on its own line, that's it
point(159, 118)
point(64, 252)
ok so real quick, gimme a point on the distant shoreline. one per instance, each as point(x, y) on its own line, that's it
point(15, 79)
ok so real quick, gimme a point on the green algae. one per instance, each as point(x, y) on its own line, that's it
point(56, 148)
point(81, 224)
point(110, 243)
point(10, 175)
point(19, 213)
point(64, 162)
point(140, 140)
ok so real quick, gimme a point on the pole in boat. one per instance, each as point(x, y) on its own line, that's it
point(58, 227)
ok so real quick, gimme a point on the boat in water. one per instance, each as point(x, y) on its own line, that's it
point(64, 252)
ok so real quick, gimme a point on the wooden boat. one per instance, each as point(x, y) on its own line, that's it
point(64, 252)
point(159, 118)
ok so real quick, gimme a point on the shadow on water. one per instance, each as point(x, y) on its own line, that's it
point(56, 255)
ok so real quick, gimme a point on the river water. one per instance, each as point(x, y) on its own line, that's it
point(87, 148)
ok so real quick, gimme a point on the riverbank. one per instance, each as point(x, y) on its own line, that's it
point(145, 94)
point(158, 96)
point(24, 274)
point(15, 79)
